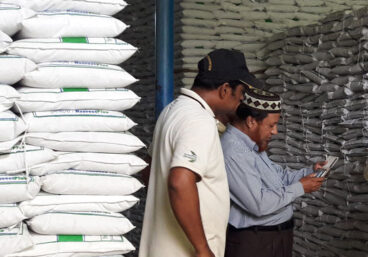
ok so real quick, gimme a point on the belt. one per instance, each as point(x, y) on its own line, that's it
point(283, 226)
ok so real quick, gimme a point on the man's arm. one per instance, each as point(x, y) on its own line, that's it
point(184, 201)
point(292, 176)
point(248, 192)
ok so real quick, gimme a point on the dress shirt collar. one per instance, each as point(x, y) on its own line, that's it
point(243, 137)
point(196, 97)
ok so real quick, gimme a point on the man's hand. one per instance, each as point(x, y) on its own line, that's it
point(318, 166)
point(205, 253)
point(311, 183)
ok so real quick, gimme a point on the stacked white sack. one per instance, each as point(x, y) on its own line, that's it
point(40, 99)
point(82, 49)
point(96, 132)
point(321, 76)
point(12, 69)
point(106, 7)
point(76, 245)
point(72, 101)
point(51, 24)
point(14, 235)
point(14, 239)
point(64, 74)
point(15, 183)
point(5, 41)
point(11, 17)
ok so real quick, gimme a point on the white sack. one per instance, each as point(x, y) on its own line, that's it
point(80, 223)
point(11, 126)
point(95, 142)
point(282, 2)
point(15, 189)
point(281, 8)
point(100, 50)
point(107, 7)
point(10, 214)
point(126, 164)
point(11, 16)
point(14, 239)
point(43, 203)
point(197, 44)
point(77, 120)
point(310, 2)
point(77, 74)
point(6, 146)
point(76, 246)
point(51, 24)
point(80, 182)
point(41, 99)
point(198, 14)
point(8, 95)
point(198, 22)
point(13, 161)
point(13, 68)
point(5, 41)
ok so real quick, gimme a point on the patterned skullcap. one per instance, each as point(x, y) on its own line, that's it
point(262, 100)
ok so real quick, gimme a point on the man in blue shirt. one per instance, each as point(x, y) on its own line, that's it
point(262, 192)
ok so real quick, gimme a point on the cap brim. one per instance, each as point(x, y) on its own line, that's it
point(243, 76)
point(252, 82)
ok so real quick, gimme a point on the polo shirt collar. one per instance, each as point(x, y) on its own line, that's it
point(243, 137)
point(194, 95)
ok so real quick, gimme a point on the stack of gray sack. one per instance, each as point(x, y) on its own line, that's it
point(320, 73)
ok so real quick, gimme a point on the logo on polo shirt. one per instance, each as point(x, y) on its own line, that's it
point(192, 156)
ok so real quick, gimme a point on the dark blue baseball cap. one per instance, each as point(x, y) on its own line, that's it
point(227, 65)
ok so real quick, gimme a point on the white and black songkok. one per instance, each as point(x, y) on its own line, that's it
point(262, 100)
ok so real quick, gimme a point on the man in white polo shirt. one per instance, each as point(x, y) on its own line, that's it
point(187, 204)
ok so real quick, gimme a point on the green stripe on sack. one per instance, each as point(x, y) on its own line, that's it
point(74, 40)
point(70, 238)
point(70, 89)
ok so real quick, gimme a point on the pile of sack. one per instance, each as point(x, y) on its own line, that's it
point(320, 73)
point(66, 156)
point(245, 25)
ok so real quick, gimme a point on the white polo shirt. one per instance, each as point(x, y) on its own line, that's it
point(185, 136)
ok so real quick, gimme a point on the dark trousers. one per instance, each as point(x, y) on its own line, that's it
point(250, 243)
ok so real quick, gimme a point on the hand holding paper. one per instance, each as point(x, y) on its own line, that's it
point(331, 161)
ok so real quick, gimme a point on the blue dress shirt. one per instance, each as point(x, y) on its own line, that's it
point(261, 191)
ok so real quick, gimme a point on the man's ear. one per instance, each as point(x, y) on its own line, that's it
point(250, 122)
point(224, 90)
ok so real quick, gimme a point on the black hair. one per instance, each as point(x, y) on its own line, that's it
point(212, 83)
point(243, 111)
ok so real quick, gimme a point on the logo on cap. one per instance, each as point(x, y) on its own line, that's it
point(209, 63)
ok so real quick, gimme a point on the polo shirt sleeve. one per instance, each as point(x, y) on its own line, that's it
point(192, 144)
point(247, 190)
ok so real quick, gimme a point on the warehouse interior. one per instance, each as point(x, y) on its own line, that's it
point(310, 52)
